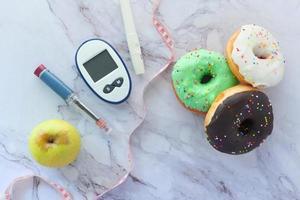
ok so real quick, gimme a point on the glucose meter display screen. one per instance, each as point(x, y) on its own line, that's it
point(100, 65)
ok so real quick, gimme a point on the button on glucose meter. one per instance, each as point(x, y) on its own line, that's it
point(103, 70)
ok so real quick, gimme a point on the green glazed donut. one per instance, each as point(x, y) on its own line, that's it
point(199, 76)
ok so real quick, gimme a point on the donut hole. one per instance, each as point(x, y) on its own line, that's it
point(245, 127)
point(261, 52)
point(206, 78)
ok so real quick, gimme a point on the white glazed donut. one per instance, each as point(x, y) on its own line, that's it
point(256, 56)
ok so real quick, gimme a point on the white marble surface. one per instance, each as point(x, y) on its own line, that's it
point(172, 158)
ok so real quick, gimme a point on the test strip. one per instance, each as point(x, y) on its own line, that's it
point(132, 37)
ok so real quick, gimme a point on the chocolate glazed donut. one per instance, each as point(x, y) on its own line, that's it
point(239, 121)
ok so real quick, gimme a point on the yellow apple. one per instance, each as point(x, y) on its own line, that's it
point(54, 143)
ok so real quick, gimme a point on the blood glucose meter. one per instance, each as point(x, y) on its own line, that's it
point(103, 70)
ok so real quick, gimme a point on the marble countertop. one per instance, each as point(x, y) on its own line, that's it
point(172, 159)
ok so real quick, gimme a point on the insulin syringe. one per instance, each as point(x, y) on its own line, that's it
point(68, 95)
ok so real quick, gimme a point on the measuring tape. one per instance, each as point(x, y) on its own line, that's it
point(9, 192)
point(65, 195)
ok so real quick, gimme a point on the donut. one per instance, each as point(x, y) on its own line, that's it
point(254, 57)
point(198, 77)
point(239, 120)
